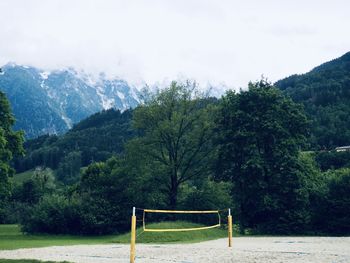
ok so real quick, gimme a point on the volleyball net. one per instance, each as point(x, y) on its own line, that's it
point(145, 211)
point(216, 223)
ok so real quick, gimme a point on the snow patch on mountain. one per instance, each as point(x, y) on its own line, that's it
point(107, 103)
point(120, 95)
point(67, 121)
point(45, 74)
point(134, 95)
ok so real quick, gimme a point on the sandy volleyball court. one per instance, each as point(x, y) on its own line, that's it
point(245, 249)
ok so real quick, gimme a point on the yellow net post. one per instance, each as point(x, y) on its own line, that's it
point(133, 236)
point(229, 228)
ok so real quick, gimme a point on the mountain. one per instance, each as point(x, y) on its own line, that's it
point(51, 102)
point(325, 94)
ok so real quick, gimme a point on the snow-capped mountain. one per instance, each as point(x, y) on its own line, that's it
point(51, 102)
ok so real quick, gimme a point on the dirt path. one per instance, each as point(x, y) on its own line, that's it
point(245, 249)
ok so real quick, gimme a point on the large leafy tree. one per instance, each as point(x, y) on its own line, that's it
point(261, 132)
point(10, 145)
point(175, 127)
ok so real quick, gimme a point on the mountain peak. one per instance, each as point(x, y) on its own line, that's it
point(52, 101)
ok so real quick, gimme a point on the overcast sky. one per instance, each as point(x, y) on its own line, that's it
point(216, 42)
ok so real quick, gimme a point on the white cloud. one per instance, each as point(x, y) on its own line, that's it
point(215, 42)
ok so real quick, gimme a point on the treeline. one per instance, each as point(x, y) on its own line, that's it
point(246, 151)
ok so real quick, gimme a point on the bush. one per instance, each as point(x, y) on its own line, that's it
point(13, 212)
point(333, 160)
point(2, 214)
point(331, 208)
point(99, 204)
point(53, 214)
point(58, 215)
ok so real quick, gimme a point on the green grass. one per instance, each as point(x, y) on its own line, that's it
point(22, 177)
point(12, 238)
point(26, 261)
point(173, 237)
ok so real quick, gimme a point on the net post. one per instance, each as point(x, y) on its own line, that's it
point(229, 228)
point(133, 236)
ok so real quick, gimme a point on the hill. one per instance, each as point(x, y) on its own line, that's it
point(95, 138)
point(325, 94)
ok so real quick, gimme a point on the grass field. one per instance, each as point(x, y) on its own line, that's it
point(174, 237)
point(20, 178)
point(12, 238)
point(27, 261)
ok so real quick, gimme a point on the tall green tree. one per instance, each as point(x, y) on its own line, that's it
point(10, 145)
point(69, 169)
point(261, 132)
point(175, 127)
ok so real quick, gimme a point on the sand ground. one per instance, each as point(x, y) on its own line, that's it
point(244, 250)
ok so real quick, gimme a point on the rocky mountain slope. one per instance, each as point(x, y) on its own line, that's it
point(51, 102)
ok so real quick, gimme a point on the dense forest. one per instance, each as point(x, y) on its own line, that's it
point(325, 94)
point(266, 151)
point(80, 146)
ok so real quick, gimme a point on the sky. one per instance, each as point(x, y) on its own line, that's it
point(214, 42)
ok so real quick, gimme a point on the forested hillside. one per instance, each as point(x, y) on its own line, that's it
point(325, 94)
point(94, 139)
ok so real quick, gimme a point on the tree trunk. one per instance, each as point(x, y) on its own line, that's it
point(173, 188)
point(173, 196)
